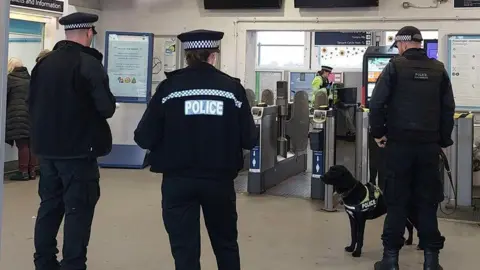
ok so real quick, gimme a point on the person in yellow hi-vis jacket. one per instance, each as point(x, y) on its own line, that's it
point(321, 82)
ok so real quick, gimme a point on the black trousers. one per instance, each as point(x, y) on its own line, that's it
point(68, 188)
point(376, 163)
point(412, 177)
point(181, 202)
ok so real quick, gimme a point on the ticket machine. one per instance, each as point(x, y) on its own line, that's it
point(374, 61)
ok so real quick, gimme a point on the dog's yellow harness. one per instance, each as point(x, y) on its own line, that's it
point(369, 202)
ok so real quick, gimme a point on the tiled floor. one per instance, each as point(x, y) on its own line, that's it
point(275, 233)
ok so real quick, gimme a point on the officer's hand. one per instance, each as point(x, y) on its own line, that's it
point(382, 142)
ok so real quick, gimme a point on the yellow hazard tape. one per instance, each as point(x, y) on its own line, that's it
point(462, 115)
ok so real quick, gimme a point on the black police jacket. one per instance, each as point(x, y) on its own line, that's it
point(197, 124)
point(70, 101)
point(413, 101)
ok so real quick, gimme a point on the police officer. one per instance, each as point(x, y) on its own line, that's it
point(70, 101)
point(321, 84)
point(196, 126)
point(411, 116)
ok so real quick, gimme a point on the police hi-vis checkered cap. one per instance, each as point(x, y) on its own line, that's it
point(408, 33)
point(79, 20)
point(201, 39)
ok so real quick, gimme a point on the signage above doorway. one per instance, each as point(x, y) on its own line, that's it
point(466, 3)
point(43, 5)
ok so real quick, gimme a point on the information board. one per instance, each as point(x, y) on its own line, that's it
point(128, 61)
point(463, 67)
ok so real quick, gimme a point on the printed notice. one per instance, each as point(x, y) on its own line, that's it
point(464, 68)
point(128, 65)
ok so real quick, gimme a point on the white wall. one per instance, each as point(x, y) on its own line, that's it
point(171, 17)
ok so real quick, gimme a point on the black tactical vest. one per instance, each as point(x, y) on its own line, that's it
point(414, 104)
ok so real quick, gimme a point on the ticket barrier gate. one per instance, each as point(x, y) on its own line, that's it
point(281, 150)
point(322, 144)
point(246, 153)
point(460, 158)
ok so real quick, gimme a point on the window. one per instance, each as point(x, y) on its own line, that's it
point(280, 49)
point(25, 41)
point(390, 35)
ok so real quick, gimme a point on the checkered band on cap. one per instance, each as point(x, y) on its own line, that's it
point(403, 38)
point(203, 92)
point(201, 44)
point(78, 26)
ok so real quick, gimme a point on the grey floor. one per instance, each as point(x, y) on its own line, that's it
point(274, 232)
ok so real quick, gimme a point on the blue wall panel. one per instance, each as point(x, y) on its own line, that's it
point(26, 27)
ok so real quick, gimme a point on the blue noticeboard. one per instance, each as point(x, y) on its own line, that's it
point(255, 159)
point(128, 61)
point(317, 164)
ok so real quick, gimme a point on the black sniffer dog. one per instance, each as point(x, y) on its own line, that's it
point(362, 203)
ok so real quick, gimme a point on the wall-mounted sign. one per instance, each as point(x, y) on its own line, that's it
point(45, 5)
point(466, 3)
point(343, 38)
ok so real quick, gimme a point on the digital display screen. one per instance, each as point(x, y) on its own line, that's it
point(375, 68)
point(241, 4)
point(431, 48)
point(334, 3)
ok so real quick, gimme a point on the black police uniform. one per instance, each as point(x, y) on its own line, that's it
point(196, 126)
point(413, 106)
point(70, 100)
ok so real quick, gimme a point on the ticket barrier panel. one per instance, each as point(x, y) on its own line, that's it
point(460, 158)
point(322, 144)
point(362, 169)
point(246, 153)
point(281, 150)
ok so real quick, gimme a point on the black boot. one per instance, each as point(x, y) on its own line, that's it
point(389, 261)
point(431, 260)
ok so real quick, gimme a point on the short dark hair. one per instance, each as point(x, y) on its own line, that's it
point(198, 56)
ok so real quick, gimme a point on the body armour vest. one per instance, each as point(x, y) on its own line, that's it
point(414, 104)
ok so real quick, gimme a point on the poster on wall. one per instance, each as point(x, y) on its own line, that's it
point(463, 66)
point(44, 5)
point(164, 58)
point(129, 66)
point(170, 54)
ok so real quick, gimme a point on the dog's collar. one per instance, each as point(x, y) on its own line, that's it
point(345, 194)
